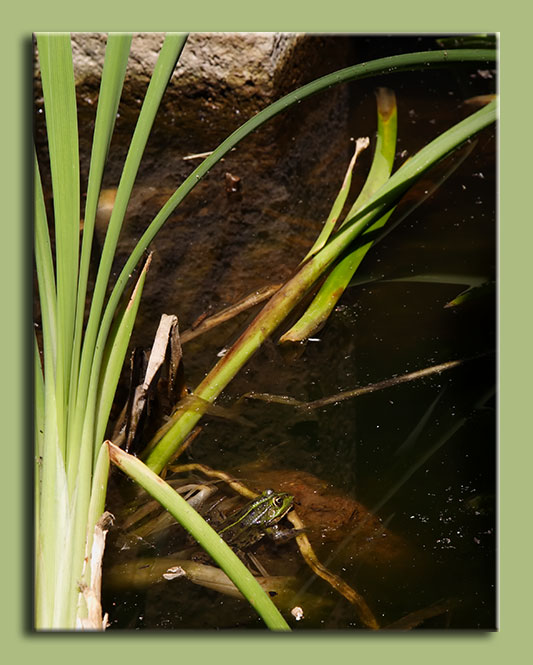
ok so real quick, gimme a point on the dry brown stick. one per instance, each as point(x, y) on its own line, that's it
point(212, 473)
point(387, 383)
point(192, 401)
point(192, 436)
point(414, 619)
point(228, 313)
point(92, 592)
point(365, 613)
point(356, 392)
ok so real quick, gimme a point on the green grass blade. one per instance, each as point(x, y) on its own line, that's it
point(289, 295)
point(439, 180)
point(115, 352)
point(62, 129)
point(38, 427)
point(49, 453)
point(114, 69)
point(82, 441)
point(487, 289)
point(205, 535)
point(99, 487)
point(338, 204)
point(45, 269)
point(329, 293)
point(83, 429)
point(53, 502)
point(383, 159)
point(96, 511)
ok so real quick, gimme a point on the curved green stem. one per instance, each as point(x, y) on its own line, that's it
point(329, 293)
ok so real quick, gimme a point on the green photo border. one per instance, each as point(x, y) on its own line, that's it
point(515, 437)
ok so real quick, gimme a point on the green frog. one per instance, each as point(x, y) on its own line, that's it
point(258, 518)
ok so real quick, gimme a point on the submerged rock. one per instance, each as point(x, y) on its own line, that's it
point(333, 518)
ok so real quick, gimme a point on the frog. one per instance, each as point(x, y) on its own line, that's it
point(258, 518)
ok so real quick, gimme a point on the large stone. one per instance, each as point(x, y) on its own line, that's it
point(209, 58)
point(232, 75)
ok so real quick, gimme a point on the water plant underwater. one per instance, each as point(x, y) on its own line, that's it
point(78, 362)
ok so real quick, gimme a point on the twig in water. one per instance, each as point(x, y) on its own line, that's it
point(229, 312)
point(212, 473)
point(356, 392)
point(365, 613)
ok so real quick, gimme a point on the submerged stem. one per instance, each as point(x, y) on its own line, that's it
point(363, 390)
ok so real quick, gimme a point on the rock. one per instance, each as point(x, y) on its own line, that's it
point(208, 58)
point(232, 75)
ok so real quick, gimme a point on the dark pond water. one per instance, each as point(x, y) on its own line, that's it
point(422, 455)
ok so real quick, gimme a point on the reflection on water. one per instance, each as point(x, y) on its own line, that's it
point(420, 455)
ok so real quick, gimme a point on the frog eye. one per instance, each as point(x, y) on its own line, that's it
point(278, 501)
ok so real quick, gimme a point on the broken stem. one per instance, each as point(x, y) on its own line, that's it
point(357, 392)
point(364, 612)
point(235, 485)
point(229, 312)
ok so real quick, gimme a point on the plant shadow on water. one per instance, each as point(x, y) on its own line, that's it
point(422, 455)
